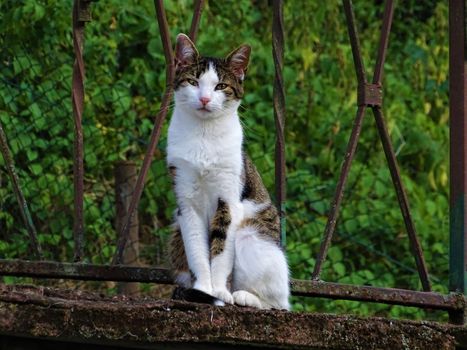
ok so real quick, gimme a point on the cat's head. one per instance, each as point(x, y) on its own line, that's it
point(208, 87)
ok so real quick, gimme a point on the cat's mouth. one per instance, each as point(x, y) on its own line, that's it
point(204, 109)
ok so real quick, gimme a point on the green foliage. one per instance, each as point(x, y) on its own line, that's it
point(125, 78)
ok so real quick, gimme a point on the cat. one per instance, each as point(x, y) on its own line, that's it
point(225, 241)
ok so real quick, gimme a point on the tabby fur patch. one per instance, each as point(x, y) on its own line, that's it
point(219, 226)
point(234, 90)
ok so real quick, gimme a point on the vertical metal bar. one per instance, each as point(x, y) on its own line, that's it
point(23, 206)
point(334, 212)
point(458, 145)
point(155, 135)
point(402, 198)
point(78, 104)
point(198, 8)
point(279, 110)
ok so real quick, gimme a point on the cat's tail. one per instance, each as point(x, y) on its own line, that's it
point(194, 296)
point(261, 275)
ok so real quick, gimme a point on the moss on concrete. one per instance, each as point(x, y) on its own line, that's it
point(86, 317)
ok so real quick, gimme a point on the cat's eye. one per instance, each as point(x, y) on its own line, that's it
point(221, 86)
point(192, 82)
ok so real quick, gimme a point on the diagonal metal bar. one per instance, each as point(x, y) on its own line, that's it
point(23, 206)
point(354, 41)
point(389, 151)
point(402, 198)
point(371, 95)
point(383, 42)
point(279, 111)
point(160, 118)
point(336, 203)
point(351, 146)
point(198, 9)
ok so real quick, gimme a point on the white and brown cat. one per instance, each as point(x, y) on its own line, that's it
point(226, 237)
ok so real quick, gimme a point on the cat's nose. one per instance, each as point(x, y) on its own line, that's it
point(204, 100)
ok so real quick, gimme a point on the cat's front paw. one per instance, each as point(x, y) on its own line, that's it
point(244, 298)
point(224, 295)
point(204, 287)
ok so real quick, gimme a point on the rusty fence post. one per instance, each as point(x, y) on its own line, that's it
point(81, 15)
point(125, 182)
point(458, 151)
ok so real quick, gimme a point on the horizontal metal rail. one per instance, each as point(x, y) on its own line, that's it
point(84, 272)
point(392, 296)
point(88, 272)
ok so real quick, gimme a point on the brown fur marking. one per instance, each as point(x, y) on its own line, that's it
point(177, 255)
point(253, 188)
point(218, 228)
point(266, 221)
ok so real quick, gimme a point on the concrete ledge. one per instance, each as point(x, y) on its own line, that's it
point(83, 317)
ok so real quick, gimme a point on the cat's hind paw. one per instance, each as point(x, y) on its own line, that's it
point(244, 298)
point(218, 302)
point(224, 295)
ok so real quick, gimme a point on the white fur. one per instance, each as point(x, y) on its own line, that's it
point(205, 146)
point(260, 269)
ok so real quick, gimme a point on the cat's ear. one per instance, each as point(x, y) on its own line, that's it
point(185, 51)
point(238, 60)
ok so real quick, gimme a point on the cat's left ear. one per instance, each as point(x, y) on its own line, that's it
point(238, 60)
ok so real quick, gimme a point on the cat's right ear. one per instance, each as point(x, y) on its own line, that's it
point(185, 51)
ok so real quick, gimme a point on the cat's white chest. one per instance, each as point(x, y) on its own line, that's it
point(207, 159)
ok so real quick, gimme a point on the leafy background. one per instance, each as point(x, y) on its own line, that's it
point(125, 79)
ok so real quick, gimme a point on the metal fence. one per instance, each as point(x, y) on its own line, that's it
point(130, 181)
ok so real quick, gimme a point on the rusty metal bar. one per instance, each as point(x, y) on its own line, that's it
point(155, 135)
point(402, 198)
point(23, 205)
point(352, 144)
point(354, 41)
point(389, 151)
point(371, 95)
point(279, 111)
point(85, 272)
point(383, 42)
point(334, 211)
point(80, 16)
point(453, 302)
point(427, 300)
point(198, 9)
point(458, 145)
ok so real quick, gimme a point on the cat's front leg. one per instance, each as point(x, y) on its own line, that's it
point(196, 242)
point(222, 230)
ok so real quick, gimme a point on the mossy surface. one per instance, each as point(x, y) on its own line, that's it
point(71, 315)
